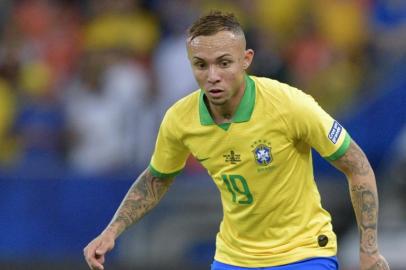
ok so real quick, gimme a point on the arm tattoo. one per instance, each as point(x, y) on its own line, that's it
point(365, 203)
point(354, 161)
point(364, 198)
point(143, 195)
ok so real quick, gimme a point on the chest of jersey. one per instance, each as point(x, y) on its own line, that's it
point(250, 162)
point(243, 146)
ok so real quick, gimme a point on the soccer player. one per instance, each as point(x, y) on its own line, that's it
point(254, 136)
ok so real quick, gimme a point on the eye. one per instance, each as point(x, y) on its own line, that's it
point(200, 65)
point(225, 63)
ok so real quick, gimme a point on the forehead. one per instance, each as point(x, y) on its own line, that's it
point(223, 42)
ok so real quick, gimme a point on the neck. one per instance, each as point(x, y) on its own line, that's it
point(224, 113)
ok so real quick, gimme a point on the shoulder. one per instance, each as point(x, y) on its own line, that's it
point(184, 108)
point(274, 88)
point(279, 94)
point(288, 103)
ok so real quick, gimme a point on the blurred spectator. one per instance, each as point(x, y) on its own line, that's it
point(50, 33)
point(174, 77)
point(325, 56)
point(121, 24)
point(39, 49)
point(342, 23)
point(107, 113)
point(40, 122)
point(108, 103)
point(322, 71)
point(9, 69)
point(269, 60)
point(7, 114)
point(281, 18)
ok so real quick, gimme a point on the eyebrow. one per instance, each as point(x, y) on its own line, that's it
point(221, 56)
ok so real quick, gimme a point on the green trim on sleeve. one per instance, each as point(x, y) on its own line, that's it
point(341, 151)
point(162, 175)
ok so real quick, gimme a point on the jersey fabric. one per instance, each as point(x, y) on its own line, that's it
point(262, 165)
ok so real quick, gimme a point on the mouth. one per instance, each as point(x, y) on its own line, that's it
point(215, 92)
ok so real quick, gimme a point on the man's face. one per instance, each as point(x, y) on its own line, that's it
point(219, 63)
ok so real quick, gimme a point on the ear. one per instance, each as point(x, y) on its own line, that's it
point(248, 56)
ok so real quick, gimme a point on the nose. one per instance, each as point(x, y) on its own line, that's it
point(213, 75)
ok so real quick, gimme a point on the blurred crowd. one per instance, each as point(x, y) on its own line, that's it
point(84, 84)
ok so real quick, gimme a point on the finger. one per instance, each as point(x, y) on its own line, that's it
point(95, 265)
point(91, 257)
point(101, 259)
point(99, 267)
point(93, 262)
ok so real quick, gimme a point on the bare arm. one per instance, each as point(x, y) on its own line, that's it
point(143, 195)
point(364, 196)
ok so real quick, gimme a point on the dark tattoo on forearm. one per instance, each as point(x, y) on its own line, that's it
point(369, 241)
point(143, 195)
point(365, 202)
point(355, 165)
point(355, 161)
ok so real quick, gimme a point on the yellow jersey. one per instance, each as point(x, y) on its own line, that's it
point(262, 165)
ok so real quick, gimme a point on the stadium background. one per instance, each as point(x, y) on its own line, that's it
point(84, 84)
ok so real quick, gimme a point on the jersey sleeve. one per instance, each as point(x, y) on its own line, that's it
point(170, 153)
point(317, 128)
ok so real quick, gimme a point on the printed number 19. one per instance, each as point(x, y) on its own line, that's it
point(235, 188)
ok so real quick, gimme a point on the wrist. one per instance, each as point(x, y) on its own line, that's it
point(112, 230)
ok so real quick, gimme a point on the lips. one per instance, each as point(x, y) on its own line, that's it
point(215, 92)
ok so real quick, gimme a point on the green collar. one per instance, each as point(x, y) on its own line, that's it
point(244, 110)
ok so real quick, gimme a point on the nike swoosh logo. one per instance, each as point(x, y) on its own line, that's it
point(202, 159)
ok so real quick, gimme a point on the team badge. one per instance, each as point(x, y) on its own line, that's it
point(262, 152)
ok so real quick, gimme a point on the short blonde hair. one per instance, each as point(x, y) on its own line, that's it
point(213, 23)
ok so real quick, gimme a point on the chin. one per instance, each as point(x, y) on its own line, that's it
point(218, 102)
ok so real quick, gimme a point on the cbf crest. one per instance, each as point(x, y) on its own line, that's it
point(262, 152)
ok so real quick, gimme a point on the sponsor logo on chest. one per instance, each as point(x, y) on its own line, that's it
point(232, 157)
point(261, 155)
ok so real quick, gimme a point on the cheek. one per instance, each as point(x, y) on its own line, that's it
point(200, 76)
point(234, 77)
point(229, 75)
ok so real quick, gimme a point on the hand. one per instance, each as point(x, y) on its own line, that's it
point(96, 250)
point(373, 262)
